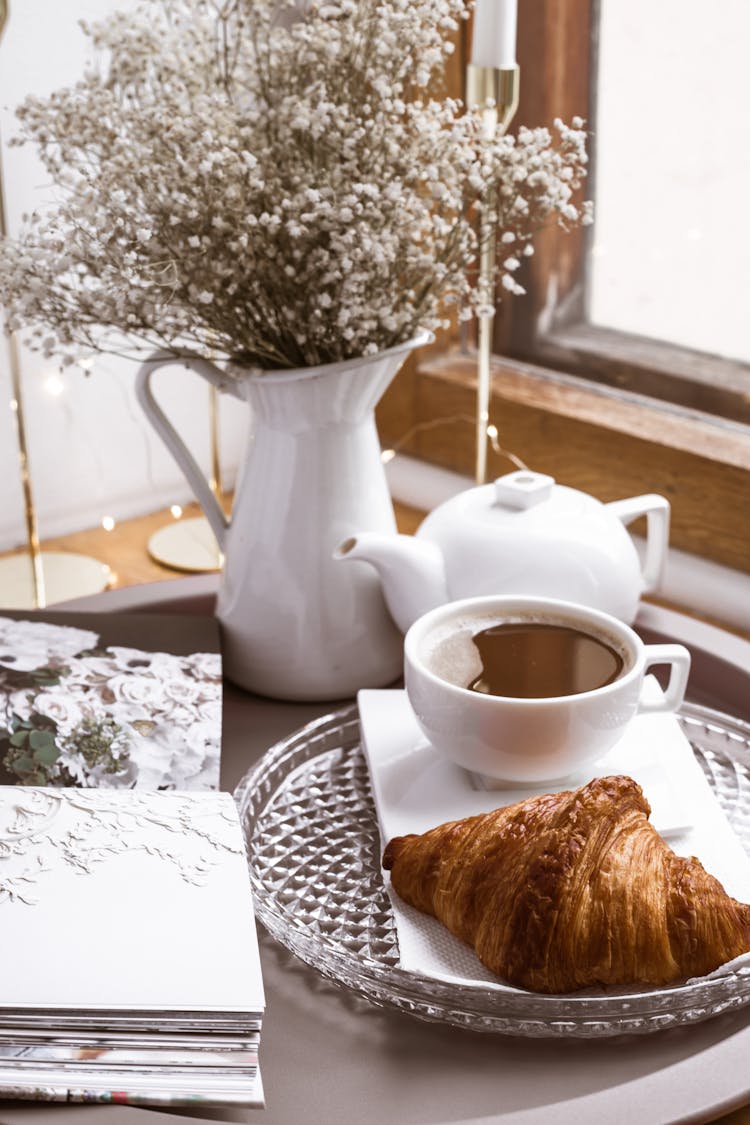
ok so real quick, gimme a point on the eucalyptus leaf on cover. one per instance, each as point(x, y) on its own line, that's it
point(280, 184)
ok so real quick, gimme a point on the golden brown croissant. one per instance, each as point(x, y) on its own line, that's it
point(573, 889)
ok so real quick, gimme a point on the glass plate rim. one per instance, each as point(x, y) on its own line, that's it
point(526, 1014)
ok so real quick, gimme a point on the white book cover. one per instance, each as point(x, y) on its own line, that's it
point(116, 900)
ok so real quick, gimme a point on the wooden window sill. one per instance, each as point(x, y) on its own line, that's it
point(664, 371)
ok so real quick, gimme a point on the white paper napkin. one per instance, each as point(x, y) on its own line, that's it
point(415, 789)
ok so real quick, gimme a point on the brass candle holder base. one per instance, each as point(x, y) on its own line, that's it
point(187, 545)
point(65, 576)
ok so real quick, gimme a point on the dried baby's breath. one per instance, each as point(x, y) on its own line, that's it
point(272, 182)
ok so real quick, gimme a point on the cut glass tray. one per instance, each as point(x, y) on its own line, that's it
point(314, 854)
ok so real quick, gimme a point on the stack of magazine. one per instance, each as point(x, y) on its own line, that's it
point(127, 937)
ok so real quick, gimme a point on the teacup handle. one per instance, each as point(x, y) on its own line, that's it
point(174, 443)
point(678, 659)
point(657, 511)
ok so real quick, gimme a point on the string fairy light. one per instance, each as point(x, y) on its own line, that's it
point(388, 454)
point(492, 434)
point(54, 385)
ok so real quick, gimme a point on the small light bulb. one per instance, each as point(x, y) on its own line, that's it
point(491, 431)
point(54, 385)
point(85, 364)
point(387, 455)
point(176, 511)
point(108, 523)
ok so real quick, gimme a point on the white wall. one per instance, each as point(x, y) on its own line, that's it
point(91, 451)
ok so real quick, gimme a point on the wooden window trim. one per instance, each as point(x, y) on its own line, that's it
point(606, 437)
point(651, 368)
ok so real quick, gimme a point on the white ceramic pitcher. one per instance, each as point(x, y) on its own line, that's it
point(295, 624)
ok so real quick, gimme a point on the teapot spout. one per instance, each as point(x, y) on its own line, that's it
point(411, 572)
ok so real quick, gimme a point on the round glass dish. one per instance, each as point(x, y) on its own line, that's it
point(314, 855)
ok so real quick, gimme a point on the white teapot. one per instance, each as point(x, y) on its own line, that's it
point(523, 534)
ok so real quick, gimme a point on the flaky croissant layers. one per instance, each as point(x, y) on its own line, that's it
point(568, 890)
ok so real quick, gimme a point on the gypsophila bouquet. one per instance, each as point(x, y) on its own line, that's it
point(272, 181)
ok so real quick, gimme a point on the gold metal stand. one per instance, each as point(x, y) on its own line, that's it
point(191, 544)
point(34, 579)
point(495, 91)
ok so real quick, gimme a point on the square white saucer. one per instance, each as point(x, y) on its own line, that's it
point(420, 788)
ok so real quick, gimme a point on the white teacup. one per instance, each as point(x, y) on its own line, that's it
point(527, 740)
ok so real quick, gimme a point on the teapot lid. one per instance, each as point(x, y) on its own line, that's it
point(523, 489)
point(529, 498)
point(519, 499)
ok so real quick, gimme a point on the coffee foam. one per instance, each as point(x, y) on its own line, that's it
point(449, 651)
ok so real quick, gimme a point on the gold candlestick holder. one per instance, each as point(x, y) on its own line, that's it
point(495, 91)
point(34, 578)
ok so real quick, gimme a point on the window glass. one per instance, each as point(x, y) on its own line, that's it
point(670, 256)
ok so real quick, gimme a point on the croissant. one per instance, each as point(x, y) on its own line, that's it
point(568, 890)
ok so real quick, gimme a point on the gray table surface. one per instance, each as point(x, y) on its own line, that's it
point(329, 1057)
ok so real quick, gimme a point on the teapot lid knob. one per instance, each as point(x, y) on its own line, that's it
point(523, 489)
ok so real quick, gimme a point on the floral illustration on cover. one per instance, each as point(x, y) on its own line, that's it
point(42, 830)
point(75, 712)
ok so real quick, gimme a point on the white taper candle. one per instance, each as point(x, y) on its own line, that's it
point(494, 39)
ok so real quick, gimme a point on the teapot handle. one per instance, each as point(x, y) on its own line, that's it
point(657, 512)
point(174, 443)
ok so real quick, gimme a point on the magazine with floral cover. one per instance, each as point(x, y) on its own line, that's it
point(109, 700)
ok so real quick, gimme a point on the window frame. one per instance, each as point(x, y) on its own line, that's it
point(568, 398)
point(556, 331)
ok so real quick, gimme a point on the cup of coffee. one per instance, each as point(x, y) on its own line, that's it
point(529, 690)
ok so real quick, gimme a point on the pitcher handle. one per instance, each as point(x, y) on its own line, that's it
point(657, 512)
point(195, 477)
